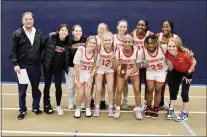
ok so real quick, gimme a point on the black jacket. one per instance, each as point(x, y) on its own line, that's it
point(49, 52)
point(22, 50)
point(74, 46)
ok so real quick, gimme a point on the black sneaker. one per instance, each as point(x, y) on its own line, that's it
point(21, 115)
point(37, 111)
point(148, 112)
point(103, 105)
point(48, 109)
point(154, 113)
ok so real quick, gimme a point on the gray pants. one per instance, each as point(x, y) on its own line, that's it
point(70, 85)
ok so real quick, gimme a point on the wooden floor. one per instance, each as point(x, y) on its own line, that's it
point(127, 125)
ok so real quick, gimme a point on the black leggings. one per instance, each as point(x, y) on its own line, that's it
point(176, 81)
point(142, 73)
point(56, 68)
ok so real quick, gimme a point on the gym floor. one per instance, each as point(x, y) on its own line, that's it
point(127, 125)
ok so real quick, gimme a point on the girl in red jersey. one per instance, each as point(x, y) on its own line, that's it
point(183, 70)
point(104, 68)
point(118, 38)
point(154, 54)
point(127, 59)
point(164, 36)
point(85, 69)
point(139, 34)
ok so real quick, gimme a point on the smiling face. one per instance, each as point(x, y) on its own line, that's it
point(141, 26)
point(91, 44)
point(151, 46)
point(166, 28)
point(28, 21)
point(172, 48)
point(63, 32)
point(122, 27)
point(127, 43)
point(77, 32)
point(102, 28)
point(107, 40)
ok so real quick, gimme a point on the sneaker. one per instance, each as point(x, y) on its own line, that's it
point(182, 116)
point(96, 112)
point(21, 115)
point(111, 112)
point(88, 112)
point(154, 113)
point(48, 109)
point(124, 106)
point(103, 105)
point(59, 110)
point(148, 112)
point(117, 114)
point(138, 114)
point(77, 113)
point(37, 111)
point(170, 114)
point(143, 107)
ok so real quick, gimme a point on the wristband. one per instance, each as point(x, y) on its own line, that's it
point(188, 75)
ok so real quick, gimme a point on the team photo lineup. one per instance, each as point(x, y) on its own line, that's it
point(88, 63)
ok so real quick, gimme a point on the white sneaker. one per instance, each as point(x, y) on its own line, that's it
point(111, 112)
point(59, 110)
point(117, 114)
point(96, 112)
point(88, 112)
point(77, 113)
point(138, 113)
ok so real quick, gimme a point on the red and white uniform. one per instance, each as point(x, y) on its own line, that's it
point(139, 42)
point(117, 42)
point(160, 36)
point(135, 57)
point(104, 61)
point(156, 64)
point(86, 64)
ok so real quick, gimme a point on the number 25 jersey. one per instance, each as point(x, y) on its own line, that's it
point(155, 62)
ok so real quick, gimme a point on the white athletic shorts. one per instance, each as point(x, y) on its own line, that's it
point(156, 76)
point(102, 71)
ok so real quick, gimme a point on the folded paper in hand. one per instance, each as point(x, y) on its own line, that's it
point(23, 77)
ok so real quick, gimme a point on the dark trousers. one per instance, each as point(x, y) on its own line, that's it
point(34, 74)
point(142, 73)
point(176, 81)
point(58, 74)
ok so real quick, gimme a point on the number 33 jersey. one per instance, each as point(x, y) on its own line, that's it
point(131, 60)
point(155, 61)
point(104, 60)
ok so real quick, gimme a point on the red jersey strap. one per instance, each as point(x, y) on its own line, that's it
point(162, 50)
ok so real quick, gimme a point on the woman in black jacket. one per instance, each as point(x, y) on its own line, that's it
point(55, 61)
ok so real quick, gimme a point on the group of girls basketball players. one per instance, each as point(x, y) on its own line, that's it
point(116, 58)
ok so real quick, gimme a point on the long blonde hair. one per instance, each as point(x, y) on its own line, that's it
point(95, 49)
point(178, 43)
